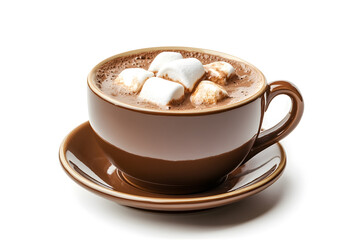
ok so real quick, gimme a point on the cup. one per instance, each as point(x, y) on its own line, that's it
point(182, 152)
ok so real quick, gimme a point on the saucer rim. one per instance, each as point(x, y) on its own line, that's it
point(165, 199)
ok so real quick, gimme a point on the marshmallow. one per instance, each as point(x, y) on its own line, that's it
point(186, 71)
point(208, 93)
point(219, 72)
point(161, 92)
point(163, 58)
point(132, 79)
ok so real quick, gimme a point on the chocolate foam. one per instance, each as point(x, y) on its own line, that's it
point(245, 83)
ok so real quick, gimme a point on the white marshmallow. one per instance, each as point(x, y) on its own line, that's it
point(132, 79)
point(208, 93)
point(219, 72)
point(161, 92)
point(163, 58)
point(186, 71)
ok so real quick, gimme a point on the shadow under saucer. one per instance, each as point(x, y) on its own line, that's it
point(265, 204)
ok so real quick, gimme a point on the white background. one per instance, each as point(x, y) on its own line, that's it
point(48, 48)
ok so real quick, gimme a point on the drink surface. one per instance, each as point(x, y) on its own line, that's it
point(245, 83)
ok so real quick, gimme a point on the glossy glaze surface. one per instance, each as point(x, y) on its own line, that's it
point(85, 162)
point(174, 154)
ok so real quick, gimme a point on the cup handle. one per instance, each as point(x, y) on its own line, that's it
point(287, 124)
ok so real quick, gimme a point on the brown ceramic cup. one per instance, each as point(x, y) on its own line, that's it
point(180, 152)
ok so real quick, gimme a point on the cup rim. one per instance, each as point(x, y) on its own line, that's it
point(95, 89)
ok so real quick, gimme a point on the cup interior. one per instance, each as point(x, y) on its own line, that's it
point(94, 81)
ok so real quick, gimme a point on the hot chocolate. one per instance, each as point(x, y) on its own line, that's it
point(242, 84)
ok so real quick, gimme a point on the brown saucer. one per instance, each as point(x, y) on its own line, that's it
point(86, 164)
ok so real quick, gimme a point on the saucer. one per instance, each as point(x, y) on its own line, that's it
point(86, 164)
